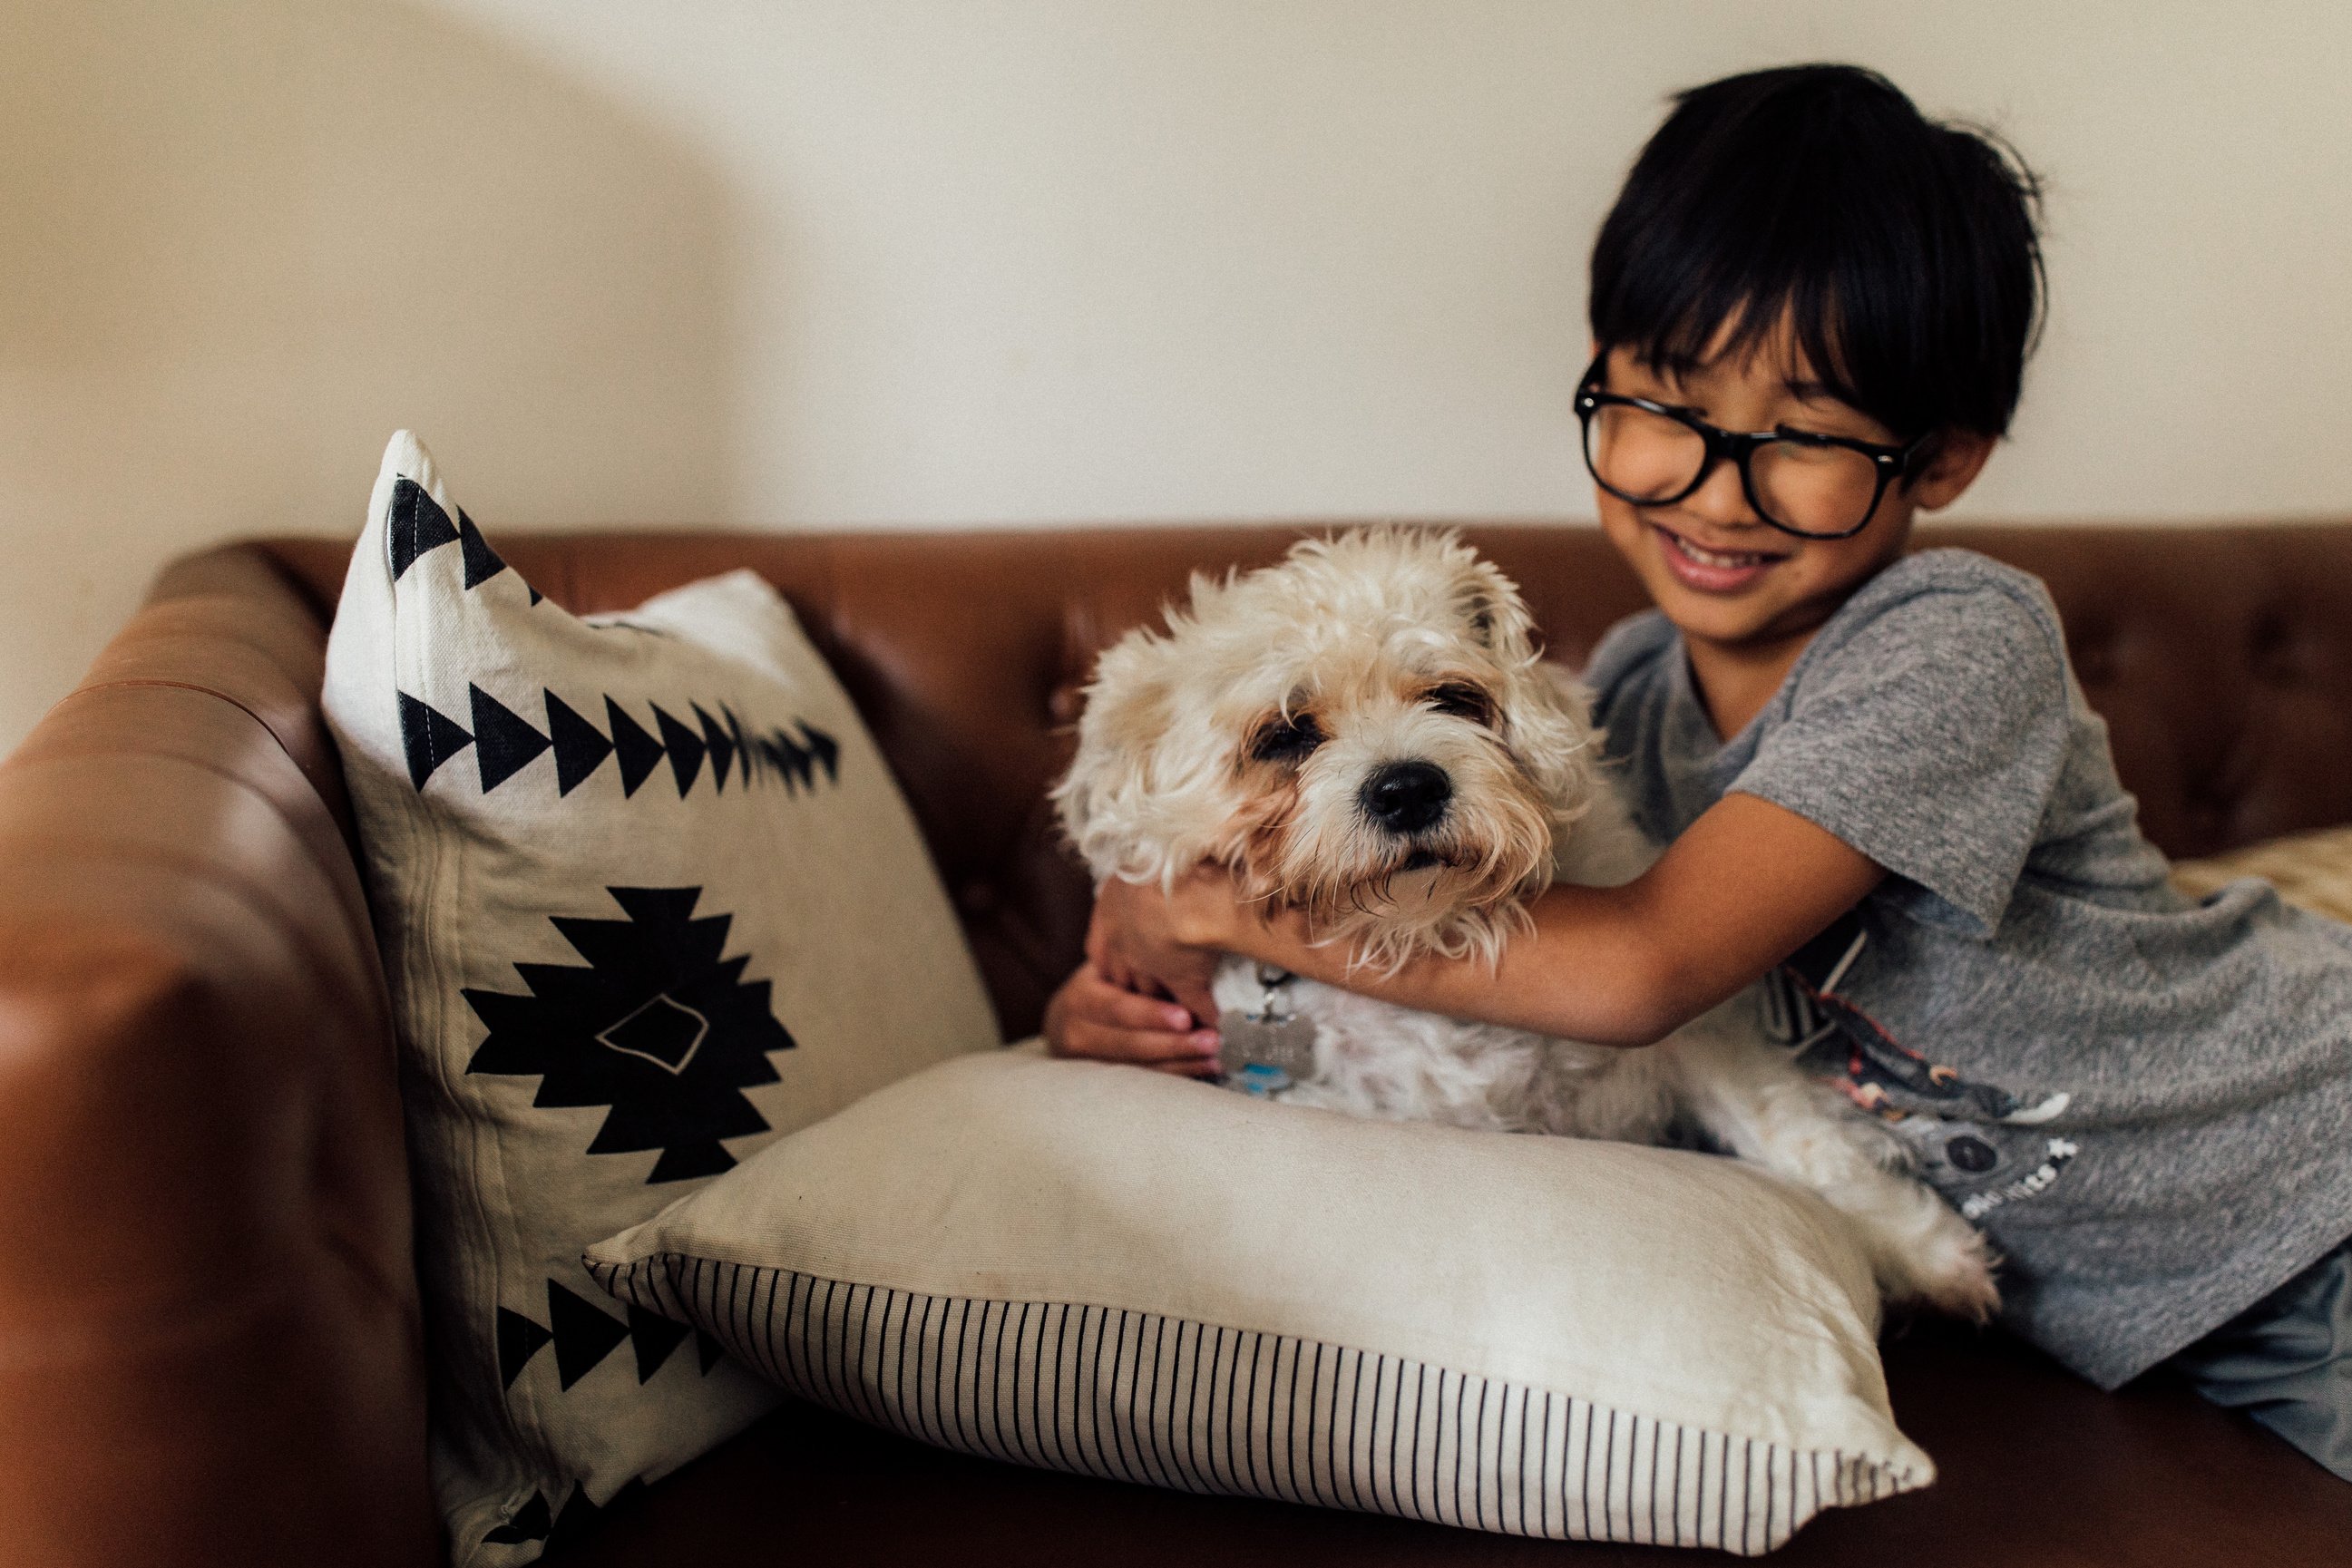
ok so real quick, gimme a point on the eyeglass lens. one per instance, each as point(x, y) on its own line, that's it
point(1646, 456)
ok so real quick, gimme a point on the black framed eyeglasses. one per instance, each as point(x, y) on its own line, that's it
point(1812, 486)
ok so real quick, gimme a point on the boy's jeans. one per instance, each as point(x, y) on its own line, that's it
point(2287, 1361)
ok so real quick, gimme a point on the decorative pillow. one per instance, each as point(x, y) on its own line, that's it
point(647, 898)
point(2313, 870)
point(1125, 1274)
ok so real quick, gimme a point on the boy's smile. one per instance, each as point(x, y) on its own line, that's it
point(1746, 596)
point(1704, 570)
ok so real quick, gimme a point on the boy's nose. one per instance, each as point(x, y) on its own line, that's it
point(1721, 500)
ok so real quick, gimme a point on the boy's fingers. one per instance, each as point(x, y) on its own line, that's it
point(1128, 1010)
point(1150, 1046)
point(1144, 1045)
point(1203, 1068)
point(1092, 1017)
point(1198, 1001)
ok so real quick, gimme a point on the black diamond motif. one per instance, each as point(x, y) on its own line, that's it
point(482, 562)
point(640, 752)
point(662, 1031)
point(662, 950)
point(519, 1339)
point(417, 524)
point(685, 751)
point(580, 747)
point(722, 746)
point(428, 736)
point(504, 741)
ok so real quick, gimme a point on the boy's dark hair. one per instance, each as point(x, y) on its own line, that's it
point(1901, 251)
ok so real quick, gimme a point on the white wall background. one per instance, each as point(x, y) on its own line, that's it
point(800, 263)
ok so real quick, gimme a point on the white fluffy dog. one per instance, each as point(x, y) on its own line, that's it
point(1365, 732)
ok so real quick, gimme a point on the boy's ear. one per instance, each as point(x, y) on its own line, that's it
point(1954, 461)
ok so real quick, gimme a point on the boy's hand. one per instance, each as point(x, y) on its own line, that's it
point(1162, 943)
point(1090, 1017)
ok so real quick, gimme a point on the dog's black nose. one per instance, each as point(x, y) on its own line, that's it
point(1406, 796)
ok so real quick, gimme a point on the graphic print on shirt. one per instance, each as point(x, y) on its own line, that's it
point(1977, 1143)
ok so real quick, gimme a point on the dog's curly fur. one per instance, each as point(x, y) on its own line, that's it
point(1287, 726)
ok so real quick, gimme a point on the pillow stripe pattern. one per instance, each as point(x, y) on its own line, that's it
point(1144, 1396)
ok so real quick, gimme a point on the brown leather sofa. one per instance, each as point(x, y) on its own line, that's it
point(209, 1345)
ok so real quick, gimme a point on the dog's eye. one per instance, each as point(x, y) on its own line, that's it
point(1461, 700)
point(1287, 739)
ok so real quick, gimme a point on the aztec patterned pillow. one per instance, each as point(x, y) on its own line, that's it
point(647, 899)
point(1132, 1276)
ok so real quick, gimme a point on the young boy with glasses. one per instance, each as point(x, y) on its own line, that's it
point(1878, 778)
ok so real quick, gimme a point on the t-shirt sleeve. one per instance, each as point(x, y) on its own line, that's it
point(1930, 739)
point(1627, 648)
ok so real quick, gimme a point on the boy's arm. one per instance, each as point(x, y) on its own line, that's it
point(1747, 885)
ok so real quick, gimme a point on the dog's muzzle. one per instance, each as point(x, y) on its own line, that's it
point(1403, 798)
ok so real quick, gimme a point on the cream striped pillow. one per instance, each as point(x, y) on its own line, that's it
point(2310, 870)
point(1122, 1274)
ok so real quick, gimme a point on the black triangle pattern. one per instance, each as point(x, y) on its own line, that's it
point(482, 562)
point(519, 1339)
point(417, 524)
point(685, 748)
point(721, 744)
point(640, 752)
point(824, 747)
point(653, 1336)
point(743, 747)
point(504, 741)
point(428, 737)
point(580, 747)
point(531, 1521)
point(583, 1334)
point(577, 1516)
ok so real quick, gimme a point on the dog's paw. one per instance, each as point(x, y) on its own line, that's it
point(1954, 1272)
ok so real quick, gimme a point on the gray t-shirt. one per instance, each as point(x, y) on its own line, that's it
point(2146, 1103)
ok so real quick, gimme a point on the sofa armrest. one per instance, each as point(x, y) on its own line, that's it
point(209, 1339)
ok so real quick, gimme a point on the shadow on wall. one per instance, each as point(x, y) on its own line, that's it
point(242, 241)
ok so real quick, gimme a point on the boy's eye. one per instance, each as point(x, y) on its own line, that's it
point(1287, 739)
point(1461, 700)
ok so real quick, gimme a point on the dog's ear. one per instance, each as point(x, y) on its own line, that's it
point(1547, 724)
point(1497, 617)
point(1105, 800)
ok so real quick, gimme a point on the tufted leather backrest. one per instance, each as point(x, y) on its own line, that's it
point(210, 1347)
point(2220, 657)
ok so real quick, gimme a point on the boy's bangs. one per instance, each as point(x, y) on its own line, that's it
point(1779, 257)
point(1812, 211)
point(1794, 328)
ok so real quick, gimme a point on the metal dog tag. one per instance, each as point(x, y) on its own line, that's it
point(1248, 1040)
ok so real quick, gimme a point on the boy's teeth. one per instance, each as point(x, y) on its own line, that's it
point(1719, 558)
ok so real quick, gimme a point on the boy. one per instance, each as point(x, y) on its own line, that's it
point(1878, 779)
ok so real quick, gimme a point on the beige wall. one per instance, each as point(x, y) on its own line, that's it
point(873, 262)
